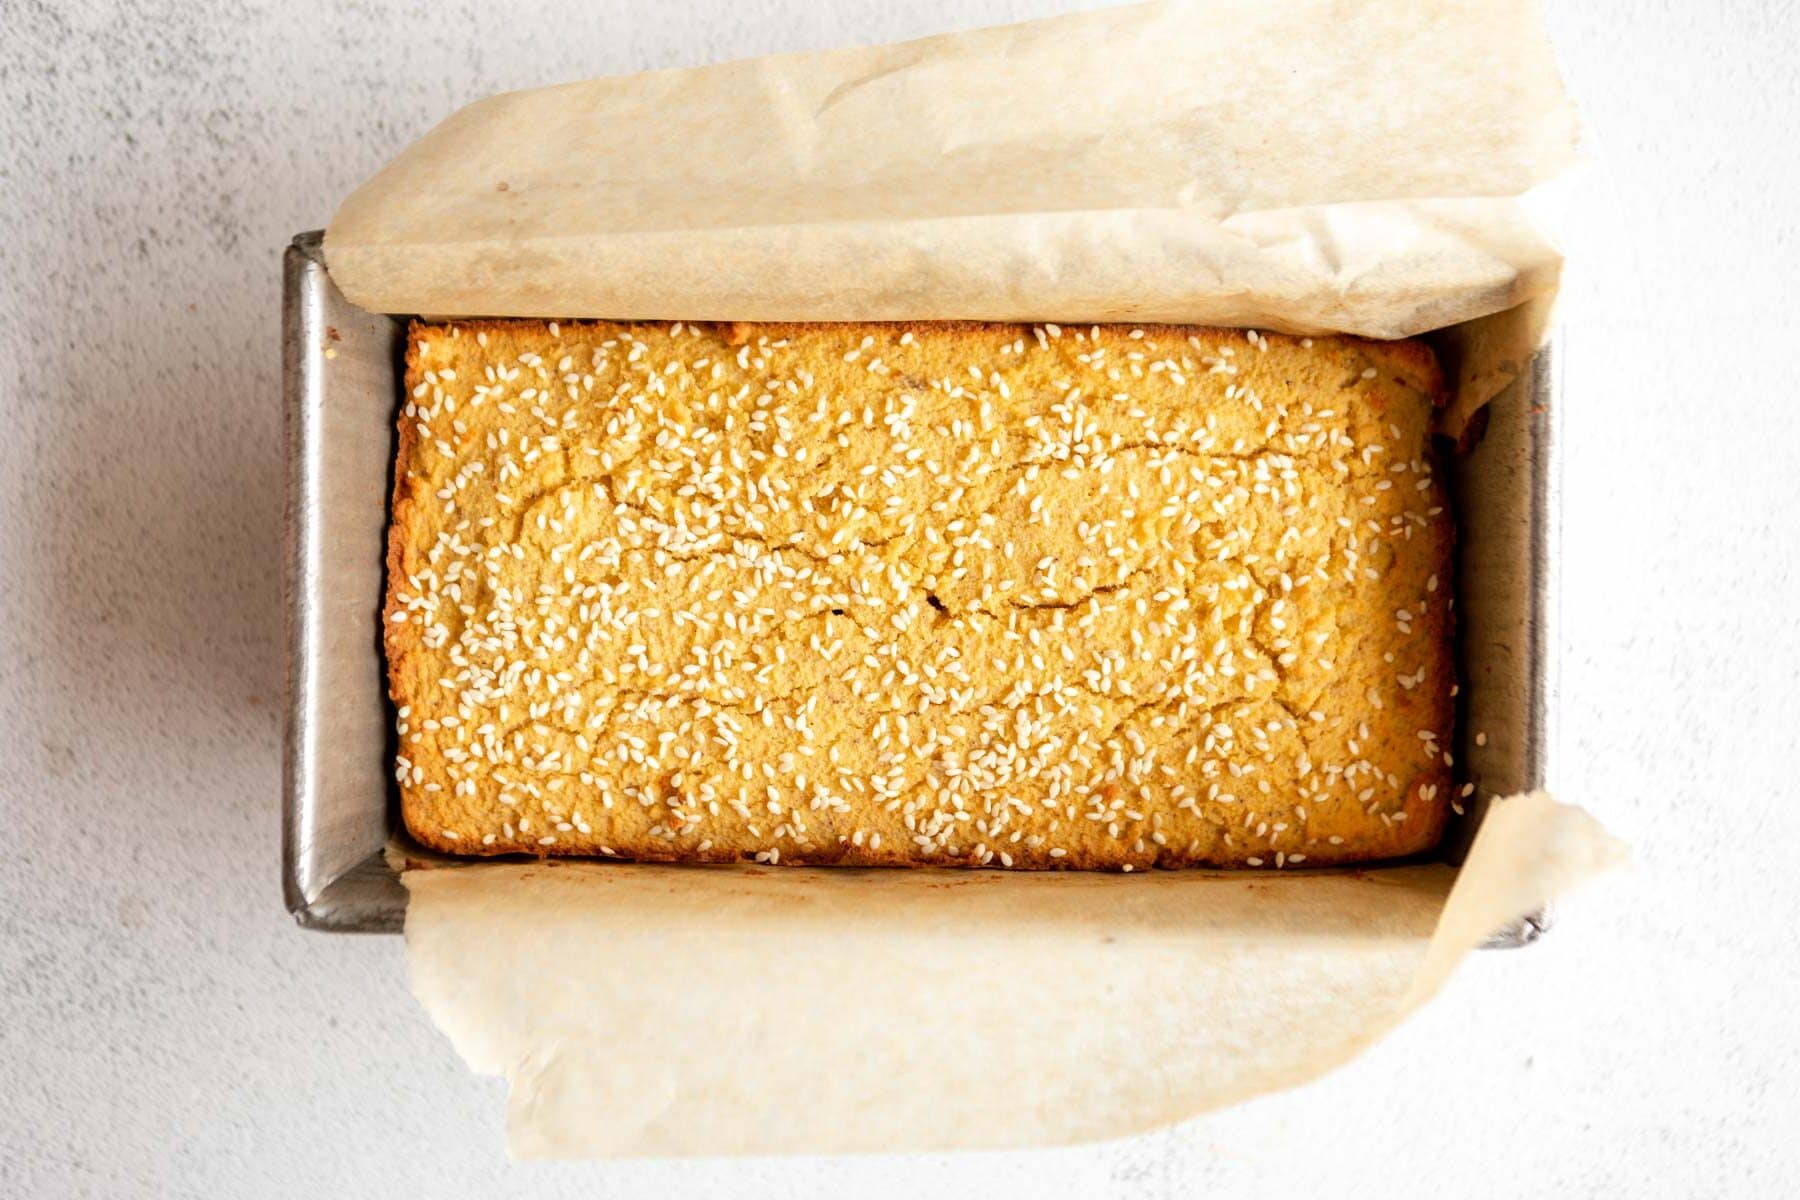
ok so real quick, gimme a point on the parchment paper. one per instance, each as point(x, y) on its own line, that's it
point(1302, 165)
point(1310, 165)
point(653, 1010)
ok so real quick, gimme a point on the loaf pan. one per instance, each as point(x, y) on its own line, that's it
point(341, 370)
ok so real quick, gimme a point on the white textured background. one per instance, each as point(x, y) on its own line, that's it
point(164, 1028)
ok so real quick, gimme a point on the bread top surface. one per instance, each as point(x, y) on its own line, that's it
point(889, 594)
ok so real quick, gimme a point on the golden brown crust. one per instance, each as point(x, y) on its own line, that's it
point(480, 520)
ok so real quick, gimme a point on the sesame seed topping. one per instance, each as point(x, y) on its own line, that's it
point(1115, 596)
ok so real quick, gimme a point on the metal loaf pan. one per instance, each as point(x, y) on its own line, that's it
point(341, 370)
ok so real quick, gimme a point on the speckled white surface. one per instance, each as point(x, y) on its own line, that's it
point(164, 1028)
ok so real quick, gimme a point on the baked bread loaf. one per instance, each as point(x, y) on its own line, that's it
point(998, 595)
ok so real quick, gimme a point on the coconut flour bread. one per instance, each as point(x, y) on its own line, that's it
point(1003, 595)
